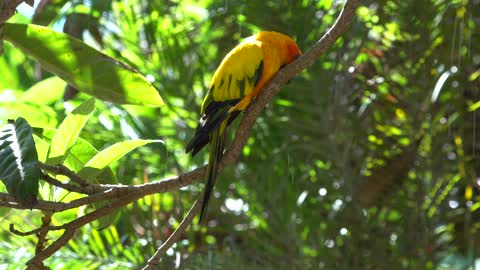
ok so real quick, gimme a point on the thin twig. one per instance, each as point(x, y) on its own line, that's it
point(63, 170)
point(37, 230)
point(54, 182)
point(86, 187)
point(46, 220)
point(173, 238)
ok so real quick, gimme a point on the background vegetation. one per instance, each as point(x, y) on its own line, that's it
point(369, 159)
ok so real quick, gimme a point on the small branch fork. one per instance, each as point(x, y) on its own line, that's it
point(115, 197)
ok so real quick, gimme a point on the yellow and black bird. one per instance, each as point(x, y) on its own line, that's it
point(240, 77)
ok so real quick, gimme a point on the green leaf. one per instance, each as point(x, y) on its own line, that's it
point(36, 115)
point(80, 153)
point(111, 154)
point(45, 92)
point(81, 66)
point(68, 132)
point(9, 61)
point(18, 161)
point(96, 168)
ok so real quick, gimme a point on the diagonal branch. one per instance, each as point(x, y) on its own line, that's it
point(187, 220)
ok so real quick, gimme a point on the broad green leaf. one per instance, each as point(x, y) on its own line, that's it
point(68, 132)
point(18, 161)
point(81, 66)
point(45, 92)
point(111, 154)
point(36, 115)
point(9, 95)
point(96, 168)
point(42, 148)
point(12, 107)
point(10, 60)
point(80, 153)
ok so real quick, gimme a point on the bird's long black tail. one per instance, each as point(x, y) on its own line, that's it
point(217, 141)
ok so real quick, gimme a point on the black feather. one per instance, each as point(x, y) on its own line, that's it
point(258, 73)
point(214, 115)
point(216, 155)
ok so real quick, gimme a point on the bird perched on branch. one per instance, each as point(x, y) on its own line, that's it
point(240, 77)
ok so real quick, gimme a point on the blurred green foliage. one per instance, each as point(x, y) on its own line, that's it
point(366, 160)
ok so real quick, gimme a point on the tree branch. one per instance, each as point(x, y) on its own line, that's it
point(54, 182)
point(83, 185)
point(63, 170)
point(112, 192)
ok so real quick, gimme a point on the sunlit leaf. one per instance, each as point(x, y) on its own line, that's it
point(80, 153)
point(46, 91)
point(82, 66)
point(36, 115)
point(9, 61)
point(68, 132)
point(111, 154)
point(474, 106)
point(474, 75)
